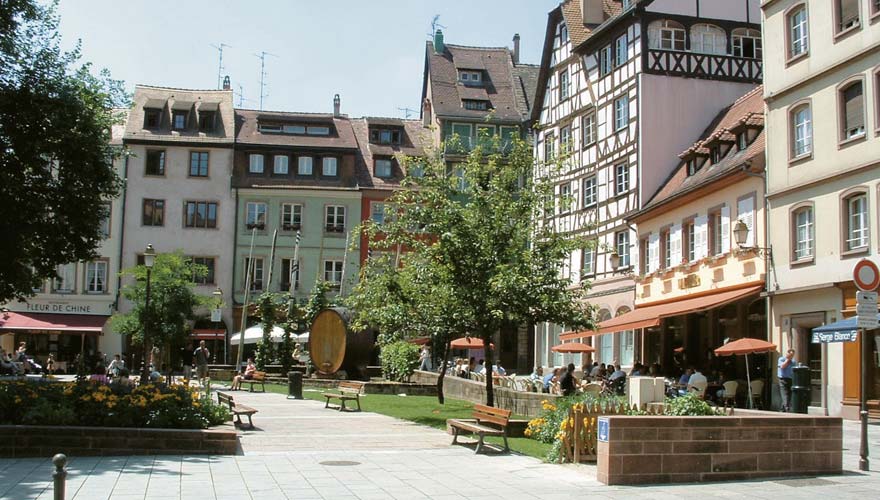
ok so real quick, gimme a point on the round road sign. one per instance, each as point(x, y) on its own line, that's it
point(866, 275)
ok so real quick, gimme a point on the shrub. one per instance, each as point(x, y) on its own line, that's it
point(688, 405)
point(399, 360)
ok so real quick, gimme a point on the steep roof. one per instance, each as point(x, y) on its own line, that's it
point(248, 132)
point(169, 99)
point(414, 139)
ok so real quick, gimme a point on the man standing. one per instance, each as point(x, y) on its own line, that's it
point(202, 355)
point(785, 372)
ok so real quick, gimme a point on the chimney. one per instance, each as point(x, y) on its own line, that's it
point(226, 84)
point(516, 48)
point(439, 46)
point(336, 104)
point(592, 11)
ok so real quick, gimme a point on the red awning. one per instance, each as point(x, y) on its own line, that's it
point(208, 334)
point(650, 315)
point(68, 323)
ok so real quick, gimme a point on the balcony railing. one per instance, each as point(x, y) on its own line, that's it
point(465, 145)
point(707, 66)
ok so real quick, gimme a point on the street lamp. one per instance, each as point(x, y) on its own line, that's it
point(216, 316)
point(149, 260)
point(741, 234)
point(615, 260)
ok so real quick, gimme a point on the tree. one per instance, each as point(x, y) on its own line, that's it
point(476, 237)
point(172, 300)
point(55, 154)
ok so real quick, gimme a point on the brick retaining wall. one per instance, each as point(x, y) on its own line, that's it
point(750, 444)
point(521, 403)
point(44, 441)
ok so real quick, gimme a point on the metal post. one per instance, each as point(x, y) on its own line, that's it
point(145, 368)
point(60, 475)
point(247, 292)
point(863, 413)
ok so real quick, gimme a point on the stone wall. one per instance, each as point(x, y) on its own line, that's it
point(44, 441)
point(521, 403)
point(750, 444)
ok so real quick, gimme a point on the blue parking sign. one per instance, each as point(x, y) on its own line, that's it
point(603, 429)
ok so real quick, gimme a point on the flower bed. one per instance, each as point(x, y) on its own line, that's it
point(156, 406)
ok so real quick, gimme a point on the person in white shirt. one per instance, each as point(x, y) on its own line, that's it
point(618, 373)
point(697, 379)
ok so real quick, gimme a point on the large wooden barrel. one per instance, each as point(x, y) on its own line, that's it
point(333, 346)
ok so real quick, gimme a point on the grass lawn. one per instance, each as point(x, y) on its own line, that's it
point(426, 410)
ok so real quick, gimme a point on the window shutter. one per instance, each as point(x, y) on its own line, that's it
point(849, 10)
point(852, 97)
point(653, 253)
point(725, 229)
point(675, 244)
point(701, 231)
point(745, 209)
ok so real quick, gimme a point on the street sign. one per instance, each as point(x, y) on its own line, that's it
point(602, 435)
point(866, 309)
point(831, 337)
point(866, 275)
point(216, 315)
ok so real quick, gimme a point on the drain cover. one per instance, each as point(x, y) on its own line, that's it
point(339, 463)
point(809, 481)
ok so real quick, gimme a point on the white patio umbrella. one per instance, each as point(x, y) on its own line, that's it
point(253, 335)
point(302, 338)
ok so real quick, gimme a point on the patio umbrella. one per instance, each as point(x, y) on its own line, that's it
point(419, 340)
point(255, 333)
point(469, 343)
point(746, 346)
point(573, 347)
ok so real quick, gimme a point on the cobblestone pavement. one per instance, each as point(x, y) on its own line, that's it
point(302, 451)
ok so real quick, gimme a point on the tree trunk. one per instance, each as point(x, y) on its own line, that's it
point(446, 350)
point(490, 389)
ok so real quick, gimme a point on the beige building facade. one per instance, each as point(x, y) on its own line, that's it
point(822, 84)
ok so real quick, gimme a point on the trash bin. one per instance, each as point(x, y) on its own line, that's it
point(295, 385)
point(800, 389)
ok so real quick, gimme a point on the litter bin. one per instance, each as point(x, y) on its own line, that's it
point(800, 389)
point(295, 385)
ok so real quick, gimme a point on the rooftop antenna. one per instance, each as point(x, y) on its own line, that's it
point(220, 67)
point(262, 56)
point(406, 111)
point(240, 95)
point(435, 24)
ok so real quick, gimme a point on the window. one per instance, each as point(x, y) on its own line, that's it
point(549, 151)
point(470, 77)
point(201, 214)
point(333, 272)
point(621, 243)
point(155, 162)
point(856, 222)
point(716, 243)
point(645, 255)
point(377, 213)
point(317, 130)
point(747, 43)
point(846, 14)
point(801, 131)
point(590, 193)
point(621, 113)
point(804, 233)
point(208, 262)
point(256, 215)
point(627, 343)
point(564, 198)
point(621, 178)
point(65, 281)
point(563, 33)
point(588, 125)
point(304, 165)
point(690, 236)
point(563, 85)
point(293, 129)
point(852, 111)
point(475, 104)
point(742, 141)
point(266, 127)
point(287, 274)
point(668, 35)
point(96, 277)
point(256, 275)
point(565, 139)
point(694, 165)
point(715, 154)
point(708, 39)
point(588, 261)
point(462, 133)
point(152, 117)
point(605, 60)
point(291, 216)
point(328, 167)
point(383, 168)
point(281, 165)
point(198, 164)
point(666, 248)
point(620, 50)
point(384, 136)
point(798, 33)
point(207, 121)
point(606, 348)
point(334, 219)
point(178, 120)
point(105, 220)
point(153, 212)
point(256, 164)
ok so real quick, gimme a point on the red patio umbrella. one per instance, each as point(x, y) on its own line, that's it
point(746, 346)
point(419, 340)
point(573, 347)
point(469, 343)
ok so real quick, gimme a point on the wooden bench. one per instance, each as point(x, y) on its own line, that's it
point(237, 409)
point(257, 378)
point(482, 415)
point(348, 391)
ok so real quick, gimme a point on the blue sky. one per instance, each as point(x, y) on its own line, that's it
point(369, 51)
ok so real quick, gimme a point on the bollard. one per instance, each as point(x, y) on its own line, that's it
point(294, 385)
point(60, 475)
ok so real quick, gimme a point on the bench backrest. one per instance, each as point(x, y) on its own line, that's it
point(224, 399)
point(259, 377)
point(350, 387)
point(483, 413)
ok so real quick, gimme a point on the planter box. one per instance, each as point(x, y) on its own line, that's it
point(18, 441)
point(747, 445)
point(521, 403)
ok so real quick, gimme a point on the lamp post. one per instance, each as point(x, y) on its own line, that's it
point(615, 260)
point(149, 260)
point(215, 316)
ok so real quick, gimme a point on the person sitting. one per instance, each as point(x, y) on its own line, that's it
point(549, 379)
point(247, 375)
point(115, 366)
point(685, 377)
point(697, 383)
point(538, 374)
point(481, 366)
point(100, 375)
point(568, 384)
point(617, 373)
point(499, 370)
point(636, 370)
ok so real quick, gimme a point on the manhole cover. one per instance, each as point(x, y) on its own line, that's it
point(339, 463)
point(800, 483)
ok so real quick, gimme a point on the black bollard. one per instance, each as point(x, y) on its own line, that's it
point(60, 475)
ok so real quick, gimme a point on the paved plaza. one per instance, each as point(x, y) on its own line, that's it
point(302, 451)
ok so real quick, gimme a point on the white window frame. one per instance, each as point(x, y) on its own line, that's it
point(857, 223)
point(330, 166)
point(622, 246)
point(621, 178)
point(804, 233)
point(588, 124)
point(96, 269)
point(798, 32)
point(672, 38)
point(708, 39)
point(377, 212)
point(290, 212)
point(334, 216)
point(606, 56)
point(564, 205)
point(305, 165)
point(384, 168)
point(333, 274)
point(66, 281)
point(281, 165)
point(588, 261)
point(802, 131)
point(747, 34)
point(258, 267)
point(256, 163)
point(621, 113)
point(564, 85)
point(621, 50)
point(253, 213)
point(590, 192)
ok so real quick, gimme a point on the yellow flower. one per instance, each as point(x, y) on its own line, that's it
point(17, 399)
point(99, 397)
point(527, 433)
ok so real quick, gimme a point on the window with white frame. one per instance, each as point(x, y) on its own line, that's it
point(333, 272)
point(621, 113)
point(716, 245)
point(605, 60)
point(304, 165)
point(606, 348)
point(255, 165)
point(383, 168)
point(289, 274)
point(690, 235)
point(281, 165)
point(801, 130)
point(588, 126)
point(96, 277)
point(549, 150)
point(588, 261)
point(804, 233)
point(65, 280)
point(564, 205)
point(565, 139)
point(627, 346)
point(621, 178)
point(563, 85)
point(621, 244)
point(852, 110)
point(329, 166)
point(667, 35)
point(708, 39)
point(856, 221)
point(590, 192)
point(798, 32)
point(291, 216)
point(620, 50)
point(747, 43)
point(334, 219)
point(470, 77)
point(666, 248)
point(256, 214)
point(256, 274)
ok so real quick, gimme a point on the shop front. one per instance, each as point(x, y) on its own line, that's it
point(62, 336)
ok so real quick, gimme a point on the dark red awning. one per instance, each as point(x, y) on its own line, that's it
point(68, 323)
point(208, 334)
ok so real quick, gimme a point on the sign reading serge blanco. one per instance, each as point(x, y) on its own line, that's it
point(828, 337)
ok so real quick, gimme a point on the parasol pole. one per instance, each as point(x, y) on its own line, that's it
point(749, 381)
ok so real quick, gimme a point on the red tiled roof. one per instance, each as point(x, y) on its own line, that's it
point(247, 132)
point(414, 139)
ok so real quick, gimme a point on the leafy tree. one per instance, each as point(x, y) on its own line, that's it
point(172, 301)
point(266, 309)
point(56, 161)
point(477, 234)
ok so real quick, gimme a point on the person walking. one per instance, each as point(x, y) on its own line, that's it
point(201, 356)
point(785, 372)
point(425, 359)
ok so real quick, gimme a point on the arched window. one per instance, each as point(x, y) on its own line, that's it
point(803, 233)
point(801, 119)
point(855, 209)
point(747, 43)
point(667, 35)
point(798, 31)
point(708, 39)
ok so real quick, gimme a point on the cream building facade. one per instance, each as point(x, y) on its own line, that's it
point(822, 83)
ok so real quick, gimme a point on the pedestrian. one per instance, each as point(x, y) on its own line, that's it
point(201, 357)
point(568, 383)
point(785, 372)
point(425, 359)
point(115, 366)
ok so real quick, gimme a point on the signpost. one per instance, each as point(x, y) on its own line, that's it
point(866, 276)
point(866, 309)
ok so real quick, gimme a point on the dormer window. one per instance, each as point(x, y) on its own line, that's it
point(693, 166)
point(178, 120)
point(265, 127)
point(206, 121)
point(293, 129)
point(469, 77)
point(742, 141)
point(475, 104)
point(716, 154)
point(317, 130)
point(384, 136)
point(152, 116)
